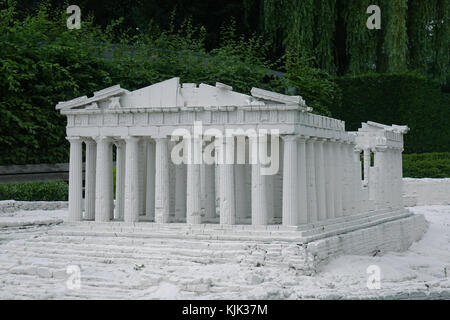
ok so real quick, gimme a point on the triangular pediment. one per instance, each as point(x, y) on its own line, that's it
point(102, 95)
point(170, 93)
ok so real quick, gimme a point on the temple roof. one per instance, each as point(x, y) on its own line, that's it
point(170, 93)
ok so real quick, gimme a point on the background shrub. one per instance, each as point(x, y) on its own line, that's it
point(405, 99)
point(427, 165)
point(35, 191)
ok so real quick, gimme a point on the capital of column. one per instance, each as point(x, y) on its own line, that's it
point(89, 141)
point(321, 140)
point(129, 138)
point(119, 143)
point(379, 149)
point(302, 138)
point(74, 139)
point(102, 139)
point(161, 138)
point(290, 138)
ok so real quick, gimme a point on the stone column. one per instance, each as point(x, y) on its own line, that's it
point(290, 186)
point(320, 180)
point(226, 184)
point(330, 181)
point(241, 191)
point(193, 193)
point(150, 181)
point(353, 179)
point(311, 178)
point(302, 181)
point(400, 177)
point(391, 181)
point(380, 164)
point(270, 198)
point(104, 183)
point(162, 200)
point(210, 191)
point(366, 157)
point(91, 157)
point(258, 193)
point(131, 208)
point(373, 180)
point(346, 162)
point(180, 191)
point(142, 167)
point(388, 178)
point(120, 180)
point(75, 179)
point(193, 202)
point(172, 180)
point(338, 179)
point(357, 181)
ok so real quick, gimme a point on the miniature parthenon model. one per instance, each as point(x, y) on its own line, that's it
point(322, 175)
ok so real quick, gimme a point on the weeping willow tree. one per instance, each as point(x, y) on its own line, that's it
point(419, 23)
point(300, 35)
point(394, 47)
point(324, 35)
point(332, 34)
point(361, 42)
point(441, 61)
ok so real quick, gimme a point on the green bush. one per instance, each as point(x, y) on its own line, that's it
point(35, 191)
point(42, 62)
point(405, 99)
point(427, 165)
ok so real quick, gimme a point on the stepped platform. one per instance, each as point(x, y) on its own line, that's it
point(36, 266)
point(308, 245)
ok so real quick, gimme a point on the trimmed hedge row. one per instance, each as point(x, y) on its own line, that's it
point(404, 99)
point(427, 165)
point(35, 191)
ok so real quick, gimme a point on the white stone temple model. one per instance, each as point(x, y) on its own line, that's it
point(189, 155)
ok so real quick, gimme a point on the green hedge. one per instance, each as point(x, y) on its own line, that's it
point(427, 165)
point(405, 99)
point(35, 191)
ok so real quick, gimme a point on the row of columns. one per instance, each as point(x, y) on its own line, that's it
point(383, 179)
point(388, 178)
point(321, 179)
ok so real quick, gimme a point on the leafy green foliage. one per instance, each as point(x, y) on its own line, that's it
point(43, 62)
point(427, 165)
point(35, 191)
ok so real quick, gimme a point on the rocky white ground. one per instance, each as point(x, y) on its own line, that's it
point(34, 261)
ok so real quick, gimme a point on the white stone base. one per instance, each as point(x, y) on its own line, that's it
point(303, 248)
point(9, 206)
point(426, 192)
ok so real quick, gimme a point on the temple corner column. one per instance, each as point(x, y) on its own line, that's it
point(91, 158)
point(290, 212)
point(162, 199)
point(75, 179)
point(131, 204)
